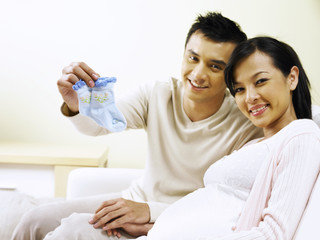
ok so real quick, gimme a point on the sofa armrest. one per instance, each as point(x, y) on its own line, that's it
point(84, 182)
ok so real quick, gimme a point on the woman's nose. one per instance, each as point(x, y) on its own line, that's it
point(251, 95)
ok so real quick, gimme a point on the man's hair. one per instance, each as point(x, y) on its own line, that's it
point(218, 28)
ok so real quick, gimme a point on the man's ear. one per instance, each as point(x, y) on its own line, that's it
point(293, 78)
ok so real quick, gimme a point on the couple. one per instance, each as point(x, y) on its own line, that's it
point(259, 191)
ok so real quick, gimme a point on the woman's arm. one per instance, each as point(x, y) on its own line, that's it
point(292, 183)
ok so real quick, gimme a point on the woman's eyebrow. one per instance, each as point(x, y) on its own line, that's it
point(254, 75)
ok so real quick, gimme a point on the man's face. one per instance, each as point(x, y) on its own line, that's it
point(203, 68)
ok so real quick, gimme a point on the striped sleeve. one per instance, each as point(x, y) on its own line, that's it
point(294, 177)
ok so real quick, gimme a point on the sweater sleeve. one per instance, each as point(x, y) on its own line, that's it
point(156, 208)
point(293, 180)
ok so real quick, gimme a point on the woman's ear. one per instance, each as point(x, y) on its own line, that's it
point(293, 78)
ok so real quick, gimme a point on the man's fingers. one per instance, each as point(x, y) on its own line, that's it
point(106, 204)
point(87, 69)
point(113, 216)
point(117, 223)
point(81, 74)
point(107, 211)
point(67, 79)
point(82, 71)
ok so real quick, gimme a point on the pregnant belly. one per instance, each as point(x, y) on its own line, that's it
point(206, 212)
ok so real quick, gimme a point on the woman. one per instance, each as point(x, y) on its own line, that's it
point(260, 191)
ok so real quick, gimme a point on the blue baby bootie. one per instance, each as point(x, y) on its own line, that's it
point(84, 97)
point(102, 106)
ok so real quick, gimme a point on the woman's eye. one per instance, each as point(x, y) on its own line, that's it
point(237, 90)
point(262, 80)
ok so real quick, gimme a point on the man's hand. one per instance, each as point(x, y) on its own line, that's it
point(70, 75)
point(121, 213)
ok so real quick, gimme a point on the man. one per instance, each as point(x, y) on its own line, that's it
point(190, 124)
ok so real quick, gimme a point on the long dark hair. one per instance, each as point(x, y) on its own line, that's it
point(284, 58)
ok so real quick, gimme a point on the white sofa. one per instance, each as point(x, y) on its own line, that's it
point(91, 181)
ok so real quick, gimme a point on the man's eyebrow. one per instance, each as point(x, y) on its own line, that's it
point(193, 52)
point(219, 62)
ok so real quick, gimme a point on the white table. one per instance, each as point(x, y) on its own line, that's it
point(31, 165)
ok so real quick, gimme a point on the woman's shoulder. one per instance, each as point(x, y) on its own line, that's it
point(302, 126)
point(295, 130)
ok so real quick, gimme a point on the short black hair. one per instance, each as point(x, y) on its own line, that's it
point(284, 58)
point(217, 28)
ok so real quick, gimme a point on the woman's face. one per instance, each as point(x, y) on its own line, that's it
point(263, 93)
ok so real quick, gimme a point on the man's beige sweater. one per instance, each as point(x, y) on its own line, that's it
point(179, 150)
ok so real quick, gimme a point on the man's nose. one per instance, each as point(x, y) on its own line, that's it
point(200, 73)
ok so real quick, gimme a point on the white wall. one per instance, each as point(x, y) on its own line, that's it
point(134, 40)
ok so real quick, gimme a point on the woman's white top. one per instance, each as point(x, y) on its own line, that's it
point(214, 209)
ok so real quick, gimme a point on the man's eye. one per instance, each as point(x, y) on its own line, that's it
point(193, 58)
point(216, 66)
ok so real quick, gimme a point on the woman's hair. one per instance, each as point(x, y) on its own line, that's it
point(283, 58)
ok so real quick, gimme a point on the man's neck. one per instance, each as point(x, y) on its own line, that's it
point(197, 111)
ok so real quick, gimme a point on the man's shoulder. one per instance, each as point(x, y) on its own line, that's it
point(169, 83)
point(169, 86)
